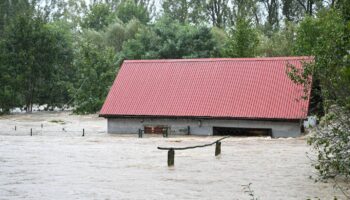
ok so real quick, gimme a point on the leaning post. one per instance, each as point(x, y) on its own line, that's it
point(218, 148)
point(171, 157)
point(83, 133)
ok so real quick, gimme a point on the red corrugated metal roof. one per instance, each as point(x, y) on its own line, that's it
point(220, 87)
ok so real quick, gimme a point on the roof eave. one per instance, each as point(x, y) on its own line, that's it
point(201, 117)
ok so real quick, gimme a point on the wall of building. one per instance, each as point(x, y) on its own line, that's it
point(200, 127)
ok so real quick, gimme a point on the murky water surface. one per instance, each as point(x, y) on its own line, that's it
point(62, 165)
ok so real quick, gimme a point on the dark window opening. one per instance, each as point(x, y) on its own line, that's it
point(242, 131)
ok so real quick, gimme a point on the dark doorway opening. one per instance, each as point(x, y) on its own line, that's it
point(242, 131)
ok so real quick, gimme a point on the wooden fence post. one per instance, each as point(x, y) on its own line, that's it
point(140, 133)
point(218, 148)
point(171, 157)
point(31, 132)
point(165, 132)
point(15, 128)
point(83, 133)
point(171, 150)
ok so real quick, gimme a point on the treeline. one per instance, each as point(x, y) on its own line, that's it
point(67, 53)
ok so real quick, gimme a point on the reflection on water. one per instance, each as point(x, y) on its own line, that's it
point(125, 167)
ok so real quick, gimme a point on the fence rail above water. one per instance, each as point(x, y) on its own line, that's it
point(44, 131)
point(171, 150)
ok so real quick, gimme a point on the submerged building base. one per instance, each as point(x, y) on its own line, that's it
point(181, 126)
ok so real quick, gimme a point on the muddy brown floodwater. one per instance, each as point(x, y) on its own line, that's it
point(57, 164)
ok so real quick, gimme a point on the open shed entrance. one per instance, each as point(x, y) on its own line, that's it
point(242, 131)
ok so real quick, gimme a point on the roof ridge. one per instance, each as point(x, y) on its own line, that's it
point(220, 59)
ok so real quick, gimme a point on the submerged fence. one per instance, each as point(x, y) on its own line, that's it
point(171, 150)
point(43, 131)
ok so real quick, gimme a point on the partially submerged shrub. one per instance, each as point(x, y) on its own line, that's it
point(331, 140)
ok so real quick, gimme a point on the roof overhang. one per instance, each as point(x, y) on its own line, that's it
point(201, 117)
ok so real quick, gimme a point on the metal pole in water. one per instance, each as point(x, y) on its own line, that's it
point(218, 148)
point(83, 133)
point(31, 132)
point(171, 157)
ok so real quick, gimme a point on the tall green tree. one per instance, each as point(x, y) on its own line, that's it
point(243, 40)
point(98, 17)
point(118, 33)
point(281, 43)
point(130, 9)
point(9, 9)
point(95, 68)
point(219, 13)
point(292, 10)
point(185, 11)
point(32, 52)
point(246, 9)
point(272, 23)
point(161, 41)
point(326, 37)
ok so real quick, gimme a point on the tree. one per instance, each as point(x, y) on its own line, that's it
point(292, 10)
point(326, 37)
point(145, 45)
point(195, 42)
point(272, 22)
point(185, 11)
point(95, 68)
point(161, 41)
point(118, 33)
point(32, 53)
point(220, 38)
point(9, 9)
point(129, 9)
point(309, 6)
point(98, 17)
point(53, 91)
point(177, 10)
point(281, 43)
point(243, 40)
point(68, 11)
point(246, 9)
point(219, 13)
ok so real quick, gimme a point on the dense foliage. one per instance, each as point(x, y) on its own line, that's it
point(327, 38)
point(34, 65)
point(47, 47)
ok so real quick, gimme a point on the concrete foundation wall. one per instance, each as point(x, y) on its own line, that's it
point(200, 127)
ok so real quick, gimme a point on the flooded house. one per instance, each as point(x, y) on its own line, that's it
point(210, 96)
